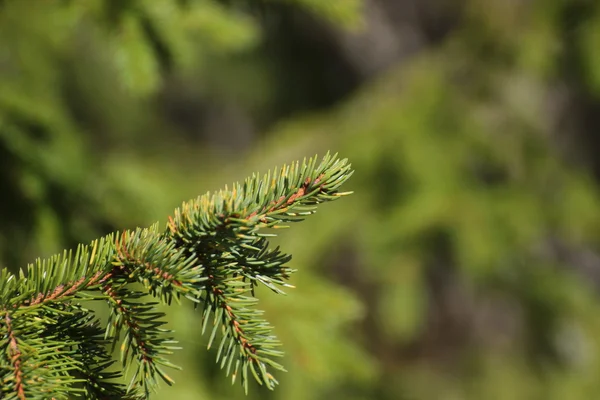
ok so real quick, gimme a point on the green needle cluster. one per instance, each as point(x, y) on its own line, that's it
point(213, 252)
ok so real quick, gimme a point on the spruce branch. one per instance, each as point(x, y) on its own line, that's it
point(213, 252)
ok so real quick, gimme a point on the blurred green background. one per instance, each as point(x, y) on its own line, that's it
point(467, 263)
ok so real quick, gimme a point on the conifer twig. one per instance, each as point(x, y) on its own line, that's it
point(214, 252)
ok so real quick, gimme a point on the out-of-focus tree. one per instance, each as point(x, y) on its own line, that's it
point(477, 255)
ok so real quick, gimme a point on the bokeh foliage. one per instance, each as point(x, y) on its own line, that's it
point(465, 266)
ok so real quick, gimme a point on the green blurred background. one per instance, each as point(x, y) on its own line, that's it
point(467, 263)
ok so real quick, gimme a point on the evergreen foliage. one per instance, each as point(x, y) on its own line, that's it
point(470, 270)
point(214, 252)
